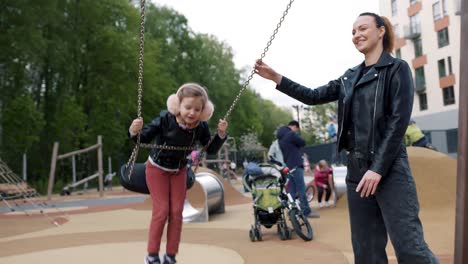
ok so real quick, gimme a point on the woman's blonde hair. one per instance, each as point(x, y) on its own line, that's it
point(190, 90)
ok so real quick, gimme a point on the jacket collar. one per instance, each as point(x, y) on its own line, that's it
point(385, 60)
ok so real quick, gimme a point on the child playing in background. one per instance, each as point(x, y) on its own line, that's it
point(322, 174)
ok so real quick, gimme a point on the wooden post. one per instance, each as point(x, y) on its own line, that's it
point(461, 224)
point(100, 167)
point(25, 167)
point(53, 163)
point(109, 164)
point(73, 169)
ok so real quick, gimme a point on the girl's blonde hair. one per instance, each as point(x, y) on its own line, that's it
point(323, 164)
point(190, 90)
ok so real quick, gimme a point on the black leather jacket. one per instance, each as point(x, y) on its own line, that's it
point(381, 109)
point(166, 131)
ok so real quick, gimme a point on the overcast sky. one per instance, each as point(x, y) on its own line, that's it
point(312, 46)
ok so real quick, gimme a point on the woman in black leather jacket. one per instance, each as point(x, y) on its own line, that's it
point(375, 101)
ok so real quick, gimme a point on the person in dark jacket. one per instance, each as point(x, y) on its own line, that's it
point(183, 125)
point(375, 100)
point(291, 145)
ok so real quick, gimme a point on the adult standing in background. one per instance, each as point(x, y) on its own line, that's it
point(375, 100)
point(332, 129)
point(291, 145)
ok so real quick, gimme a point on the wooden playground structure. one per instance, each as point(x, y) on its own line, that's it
point(56, 157)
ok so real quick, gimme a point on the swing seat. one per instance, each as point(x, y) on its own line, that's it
point(137, 181)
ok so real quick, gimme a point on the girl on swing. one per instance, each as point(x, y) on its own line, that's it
point(183, 124)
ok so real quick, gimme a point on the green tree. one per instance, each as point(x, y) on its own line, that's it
point(315, 121)
point(69, 72)
point(22, 125)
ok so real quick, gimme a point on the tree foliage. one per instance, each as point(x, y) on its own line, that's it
point(68, 72)
point(315, 122)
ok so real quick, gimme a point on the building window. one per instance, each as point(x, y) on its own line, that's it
point(415, 25)
point(443, 37)
point(442, 70)
point(449, 62)
point(396, 30)
point(394, 8)
point(444, 8)
point(398, 53)
point(420, 79)
point(449, 95)
point(436, 11)
point(422, 101)
point(418, 50)
point(439, 9)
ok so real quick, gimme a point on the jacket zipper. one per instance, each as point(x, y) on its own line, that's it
point(373, 118)
point(342, 119)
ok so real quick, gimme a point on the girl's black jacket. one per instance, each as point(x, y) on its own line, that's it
point(165, 130)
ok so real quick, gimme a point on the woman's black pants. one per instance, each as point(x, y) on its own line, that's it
point(393, 210)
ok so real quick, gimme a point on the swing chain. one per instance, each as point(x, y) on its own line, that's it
point(246, 83)
point(134, 155)
point(144, 145)
point(141, 55)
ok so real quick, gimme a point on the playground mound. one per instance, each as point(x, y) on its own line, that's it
point(435, 175)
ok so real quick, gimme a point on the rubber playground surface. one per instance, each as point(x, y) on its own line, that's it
point(114, 229)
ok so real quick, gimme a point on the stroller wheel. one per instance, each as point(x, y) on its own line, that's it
point(288, 233)
point(258, 234)
point(282, 232)
point(252, 234)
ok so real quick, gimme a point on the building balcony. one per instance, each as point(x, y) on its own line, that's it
point(412, 32)
point(457, 6)
point(419, 61)
point(447, 81)
point(414, 8)
point(419, 88)
point(442, 23)
point(399, 43)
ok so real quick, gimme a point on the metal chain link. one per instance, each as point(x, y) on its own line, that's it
point(246, 83)
point(134, 155)
point(272, 37)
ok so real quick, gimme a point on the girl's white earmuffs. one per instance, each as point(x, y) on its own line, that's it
point(173, 103)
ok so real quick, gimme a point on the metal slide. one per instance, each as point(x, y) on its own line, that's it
point(213, 190)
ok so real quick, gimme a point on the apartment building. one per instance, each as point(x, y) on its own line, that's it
point(428, 38)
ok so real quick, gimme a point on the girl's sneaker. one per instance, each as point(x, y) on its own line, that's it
point(169, 259)
point(152, 260)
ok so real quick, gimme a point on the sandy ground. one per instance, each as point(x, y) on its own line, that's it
point(118, 233)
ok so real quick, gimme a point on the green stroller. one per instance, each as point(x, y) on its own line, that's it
point(266, 184)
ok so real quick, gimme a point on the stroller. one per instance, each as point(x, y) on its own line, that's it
point(266, 183)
